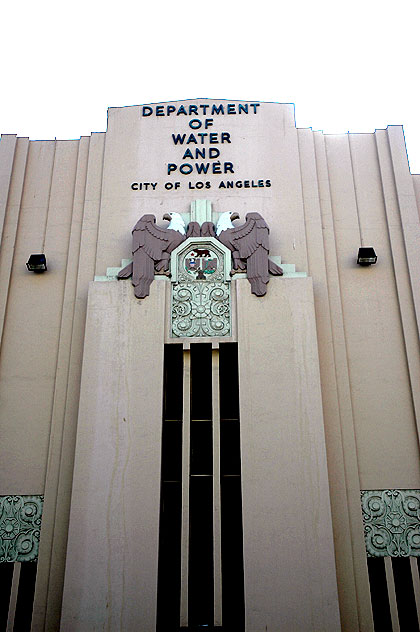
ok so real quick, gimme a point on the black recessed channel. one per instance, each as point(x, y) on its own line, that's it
point(201, 381)
point(172, 450)
point(233, 602)
point(379, 594)
point(229, 380)
point(25, 597)
point(6, 577)
point(201, 442)
point(230, 449)
point(233, 605)
point(200, 574)
point(169, 565)
point(200, 558)
point(406, 603)
point(173, 382)
point(169, 570)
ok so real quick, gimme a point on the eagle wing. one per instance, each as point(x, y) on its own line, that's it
point(207, 230)
point(250, 236)
point(126, 272)
point(249, 243)
point(152, 238)
point(193, 229)
point(150, 242)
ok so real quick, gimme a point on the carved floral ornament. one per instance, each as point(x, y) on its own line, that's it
point(20, 526)
point(391, 520)
point(200, 301)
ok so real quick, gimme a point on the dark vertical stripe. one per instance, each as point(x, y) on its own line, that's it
point(201, 438)
point(229, 381)
point(172, 450)
point(407, 612)
point(25, 597)
point(230, 447)
point(233, 607)
point(201, 381)
point(173, 382)
point(6, 577)
point(200, 552)
point(200, 576)
point(233, 601)
point(169, 564)
point(379, 594)
point(169, 570)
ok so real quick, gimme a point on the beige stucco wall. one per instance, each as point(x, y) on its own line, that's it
point(290, 576)
point(329, 195)
point(111, 571)
point(263, 146)
point(51, 200)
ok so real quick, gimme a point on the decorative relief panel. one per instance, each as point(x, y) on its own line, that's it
point(200, 292)
point(391, 519)
point(20, 526)
point(200, 309)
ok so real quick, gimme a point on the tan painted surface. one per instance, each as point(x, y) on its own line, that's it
point(328, 195)
point(111, 571)
point(290, 580)
point(381, 397)
point(33, 315)
point(263, 146)
point(408, 210)
point(7, 153)
point(338, 420)
point(14, 184)
point(416, 184)
point(63, 424)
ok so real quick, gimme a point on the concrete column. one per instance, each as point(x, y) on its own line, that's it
point(111, 570)
point(290, 578)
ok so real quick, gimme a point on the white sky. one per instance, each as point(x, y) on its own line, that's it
point(347, 66)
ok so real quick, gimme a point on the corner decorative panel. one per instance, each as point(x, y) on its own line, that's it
point(20, 527)
point(391, 520)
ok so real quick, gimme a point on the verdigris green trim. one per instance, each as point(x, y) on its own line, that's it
point(200, 211)
point(200, 307)
point(223, 253)
point(111, 273)
point(20, 526)
point(391, 520)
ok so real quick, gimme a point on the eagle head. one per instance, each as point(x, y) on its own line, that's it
point(225, 221)
point(176, 222)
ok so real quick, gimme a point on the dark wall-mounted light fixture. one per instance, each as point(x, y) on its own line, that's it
point(37, 263)
point(366, 257)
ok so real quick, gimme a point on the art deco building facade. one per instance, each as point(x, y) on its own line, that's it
point(207, 456)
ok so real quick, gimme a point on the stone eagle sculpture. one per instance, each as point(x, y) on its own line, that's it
point(193, 230)
point(207, 229)
point(152, 247)
point(249, 246)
